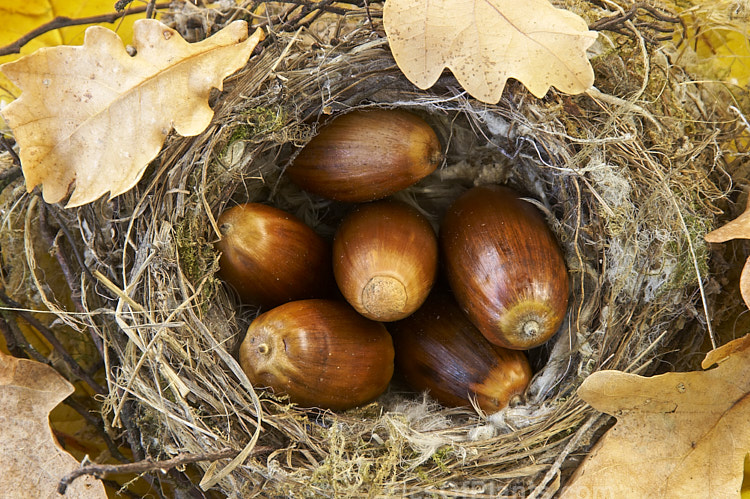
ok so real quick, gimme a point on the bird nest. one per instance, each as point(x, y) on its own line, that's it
point(628, 176)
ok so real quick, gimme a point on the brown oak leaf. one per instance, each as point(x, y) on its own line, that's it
point(739, 228)
point(32, 464)
point(677, 434)
point(91, 117)
point(485, 42)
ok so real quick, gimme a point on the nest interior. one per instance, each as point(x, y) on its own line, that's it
point(629, 176)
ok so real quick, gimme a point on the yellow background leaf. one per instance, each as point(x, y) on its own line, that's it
point(728, 52)
point(677, 434)
point(93, 116)
point(485, 42)
point(718, 33)
point(22, 16)
point(32, 463)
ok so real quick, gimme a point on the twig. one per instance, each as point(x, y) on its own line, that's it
point(71, 240)
point(133, 436)
point(22, 345)
point(8, 147)
point(325, 5)
point(54, 247)
point(96, 423)
point(11, 342)
point(617, 23)
point(121, 5)
point(308, 7)
point(607, 23)
point(49, 336)
point(150, 9)
point(63, 22)
point(147, 465)
point(64, 263)
point(13, 172)
point(572, 445)
point(132, 432)
point(369, 16)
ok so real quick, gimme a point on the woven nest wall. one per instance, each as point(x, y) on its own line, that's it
point(629, 189)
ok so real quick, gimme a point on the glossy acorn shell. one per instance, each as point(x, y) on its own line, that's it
point(366, 155)
point(271, 257)
point(385, 259)
point(321, 353)
point(440, 350)
point(505, 267)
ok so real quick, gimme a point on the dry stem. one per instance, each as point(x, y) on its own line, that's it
point(146, 465)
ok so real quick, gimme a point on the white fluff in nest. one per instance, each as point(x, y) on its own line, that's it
point(496, 124)
point(419, 423)
point(631, 268)
point(510, 419)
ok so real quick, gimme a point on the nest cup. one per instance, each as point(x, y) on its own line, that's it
point(624, 189)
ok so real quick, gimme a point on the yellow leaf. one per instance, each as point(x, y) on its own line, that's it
point(485, 42)
point(93, 117)
point(22, 16)
point(728, 52)
point(677, 434)
point(718, 36)
point(32, 463)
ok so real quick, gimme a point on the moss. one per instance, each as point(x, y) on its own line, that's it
point(240, 132)
point(257, 124)
point(197, 255)
point(441, 456)
point(684, 275)
point(262, 120)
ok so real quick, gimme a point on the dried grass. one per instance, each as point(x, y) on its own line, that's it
point(629, 175)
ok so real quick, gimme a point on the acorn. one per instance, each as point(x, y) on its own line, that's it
point(440, 350)
point(321, 353)
point(367, 155)
point(271, 257)
point(505, 267)
point(385, 259)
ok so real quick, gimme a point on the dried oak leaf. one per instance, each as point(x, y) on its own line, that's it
point(485, 42)
point(93, 116)
point(32, 464)
point(739, 228)
point(677, 434)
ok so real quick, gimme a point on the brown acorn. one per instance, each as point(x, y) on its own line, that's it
point(367, 155)
point(505, 267)
point(440, 350)
point(271, 257)
point(321, 353)
point(385, 259)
